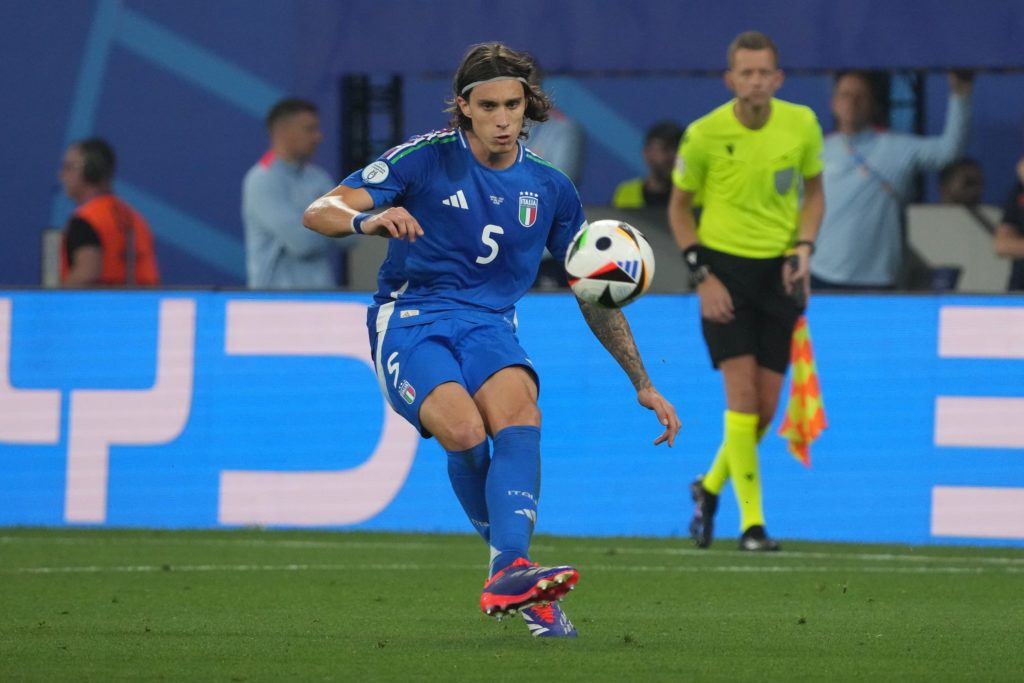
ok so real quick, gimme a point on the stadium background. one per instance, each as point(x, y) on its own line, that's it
point(181, 88)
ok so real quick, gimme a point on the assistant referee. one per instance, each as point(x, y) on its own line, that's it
point(748, 260)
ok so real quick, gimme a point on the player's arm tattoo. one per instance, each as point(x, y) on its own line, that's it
point(612, 330)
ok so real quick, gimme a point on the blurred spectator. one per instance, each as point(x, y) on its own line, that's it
point(1009, 237)
point(868, 179)
point(560, 140)
point(962, 182)
point(279, 252)
point(659, 151)
point(106, 241)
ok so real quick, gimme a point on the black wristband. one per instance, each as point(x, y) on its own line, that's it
point(695, 258)
point(809, 243)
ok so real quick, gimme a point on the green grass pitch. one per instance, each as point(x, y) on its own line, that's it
point(251, 605)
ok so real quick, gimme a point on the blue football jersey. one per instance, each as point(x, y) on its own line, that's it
point(485, 230)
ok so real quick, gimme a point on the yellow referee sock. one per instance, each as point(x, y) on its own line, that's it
point(740, 450)
point(761, 432)
point(714, 480)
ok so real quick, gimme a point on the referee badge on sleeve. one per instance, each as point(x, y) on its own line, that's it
point(784, 180)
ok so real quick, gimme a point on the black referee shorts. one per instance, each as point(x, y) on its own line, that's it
point(764, 314)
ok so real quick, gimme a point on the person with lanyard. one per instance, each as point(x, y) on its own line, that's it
point(868, 177)
point(748, 261)
point(471, 210)
point(279, 252)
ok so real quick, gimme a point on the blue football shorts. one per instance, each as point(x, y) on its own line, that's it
point(411, 361)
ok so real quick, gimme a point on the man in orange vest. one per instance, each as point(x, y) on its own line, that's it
point(106, 241)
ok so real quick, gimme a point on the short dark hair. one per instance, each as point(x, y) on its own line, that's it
point(752, 40)
point(485, 61)
point(877, 84)
point(289, 106)
point(668, 132)
point(874, 80)
point(98, 160)
point(962, 181)
point(955, 166)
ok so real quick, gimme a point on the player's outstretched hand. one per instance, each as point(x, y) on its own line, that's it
point(394, 222)
point(650, 398)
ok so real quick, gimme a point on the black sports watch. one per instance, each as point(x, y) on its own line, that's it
point(694, 257)
point(699, 274)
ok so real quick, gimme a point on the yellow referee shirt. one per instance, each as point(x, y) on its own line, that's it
point(747, 179)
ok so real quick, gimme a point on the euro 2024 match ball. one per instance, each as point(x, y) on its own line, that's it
point(609, 263)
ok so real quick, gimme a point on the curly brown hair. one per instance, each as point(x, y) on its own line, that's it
point(485, 61)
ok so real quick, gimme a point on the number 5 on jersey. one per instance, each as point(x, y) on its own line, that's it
point(490, 242)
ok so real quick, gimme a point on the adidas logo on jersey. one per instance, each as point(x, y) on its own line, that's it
point(458, 200)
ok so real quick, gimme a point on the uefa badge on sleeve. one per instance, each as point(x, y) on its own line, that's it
point(376, 173)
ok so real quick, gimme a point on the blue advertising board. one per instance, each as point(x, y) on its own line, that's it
point(206, 409)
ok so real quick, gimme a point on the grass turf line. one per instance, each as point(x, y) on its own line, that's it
point(249, 605)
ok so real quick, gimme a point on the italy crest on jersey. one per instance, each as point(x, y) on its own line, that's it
point(528, 204)
point(407, 392)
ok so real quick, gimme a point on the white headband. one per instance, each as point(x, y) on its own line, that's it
point(492, 80)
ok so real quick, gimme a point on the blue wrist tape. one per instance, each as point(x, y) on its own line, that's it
point(357, 222)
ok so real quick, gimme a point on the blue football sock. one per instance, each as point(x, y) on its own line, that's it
point(513, 487)
point(467, 471)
